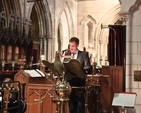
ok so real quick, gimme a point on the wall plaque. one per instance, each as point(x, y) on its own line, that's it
point(137, 75)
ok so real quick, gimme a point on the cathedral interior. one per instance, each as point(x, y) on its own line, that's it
point(34, 30)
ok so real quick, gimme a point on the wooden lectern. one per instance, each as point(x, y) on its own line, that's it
point(36, 87)
point(35, 90)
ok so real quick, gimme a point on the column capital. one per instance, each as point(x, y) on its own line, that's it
point(125, 16)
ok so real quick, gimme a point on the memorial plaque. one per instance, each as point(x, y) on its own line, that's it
point(137, 75)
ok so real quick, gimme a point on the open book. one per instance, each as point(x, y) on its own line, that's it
point(35, 73)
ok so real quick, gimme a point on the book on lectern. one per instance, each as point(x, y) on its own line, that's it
point(125, 99)
point(35, 73)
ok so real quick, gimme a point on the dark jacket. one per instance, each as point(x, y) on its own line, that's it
point(84, 60)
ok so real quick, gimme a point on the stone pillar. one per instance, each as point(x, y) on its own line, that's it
point(45, 47)
point(49, 48)
point(41, 45)
point(126, 18)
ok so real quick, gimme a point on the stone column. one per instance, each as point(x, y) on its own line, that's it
point(126, 17)
point(49, 49)
point(41, 45)
point(45, 47)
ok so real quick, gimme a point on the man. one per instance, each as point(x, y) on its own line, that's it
point(77, 99)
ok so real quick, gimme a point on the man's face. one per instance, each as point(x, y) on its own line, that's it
point(73, 47)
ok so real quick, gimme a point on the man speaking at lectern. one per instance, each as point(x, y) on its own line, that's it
point(77, 99)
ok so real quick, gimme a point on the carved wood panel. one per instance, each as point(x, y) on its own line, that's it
point(117, 78)
point(38, 101)
point(36, 87)
point(116, 75)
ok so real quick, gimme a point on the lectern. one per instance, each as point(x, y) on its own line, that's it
point(35, 90)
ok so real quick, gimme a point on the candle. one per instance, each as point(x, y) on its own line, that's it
point(13, 63)
point(3, 63)
point(42, 57)
point(106, 58)
point(31, 58)
point(101, 57)
point(93, 59)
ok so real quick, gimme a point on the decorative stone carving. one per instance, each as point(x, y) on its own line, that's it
point(124, 17)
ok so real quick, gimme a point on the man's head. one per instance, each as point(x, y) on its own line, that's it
point(73, 44)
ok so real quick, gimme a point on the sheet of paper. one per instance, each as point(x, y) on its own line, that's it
point(35, 73)
point(124, 99)
point(40, 72)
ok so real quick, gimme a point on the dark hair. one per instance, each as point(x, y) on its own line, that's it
point(74, 39)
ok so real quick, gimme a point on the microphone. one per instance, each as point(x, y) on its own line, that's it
point(64, 50)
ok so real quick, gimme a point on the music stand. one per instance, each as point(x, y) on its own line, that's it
point(123, 100)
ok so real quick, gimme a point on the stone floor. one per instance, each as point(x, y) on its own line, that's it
point(137, 109)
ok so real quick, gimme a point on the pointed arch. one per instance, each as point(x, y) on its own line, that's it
point(107, 20)
point(67, 27)
point(11, 7)
point(89, 26)
point(18, 11)
point(101, 35)
point(136, 6)
point(86, 19)
point(43, 26)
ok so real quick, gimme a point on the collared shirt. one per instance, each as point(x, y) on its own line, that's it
point(74, 55)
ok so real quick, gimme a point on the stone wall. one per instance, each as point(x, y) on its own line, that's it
point(133, 44)
point(90, 16)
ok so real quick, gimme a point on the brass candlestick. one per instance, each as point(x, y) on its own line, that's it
point(94, 64)
point(13, 65)
point(22, 62)
point(42, 66)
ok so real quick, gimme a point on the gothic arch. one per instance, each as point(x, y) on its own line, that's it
point(109, 18)
point(11, 7)
point(89, 26)
point(43, 16)
point(87, 18)
point(69, 19)
point(102, 34)
point(43, 26)
point(136, 6)
point(67, 26)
